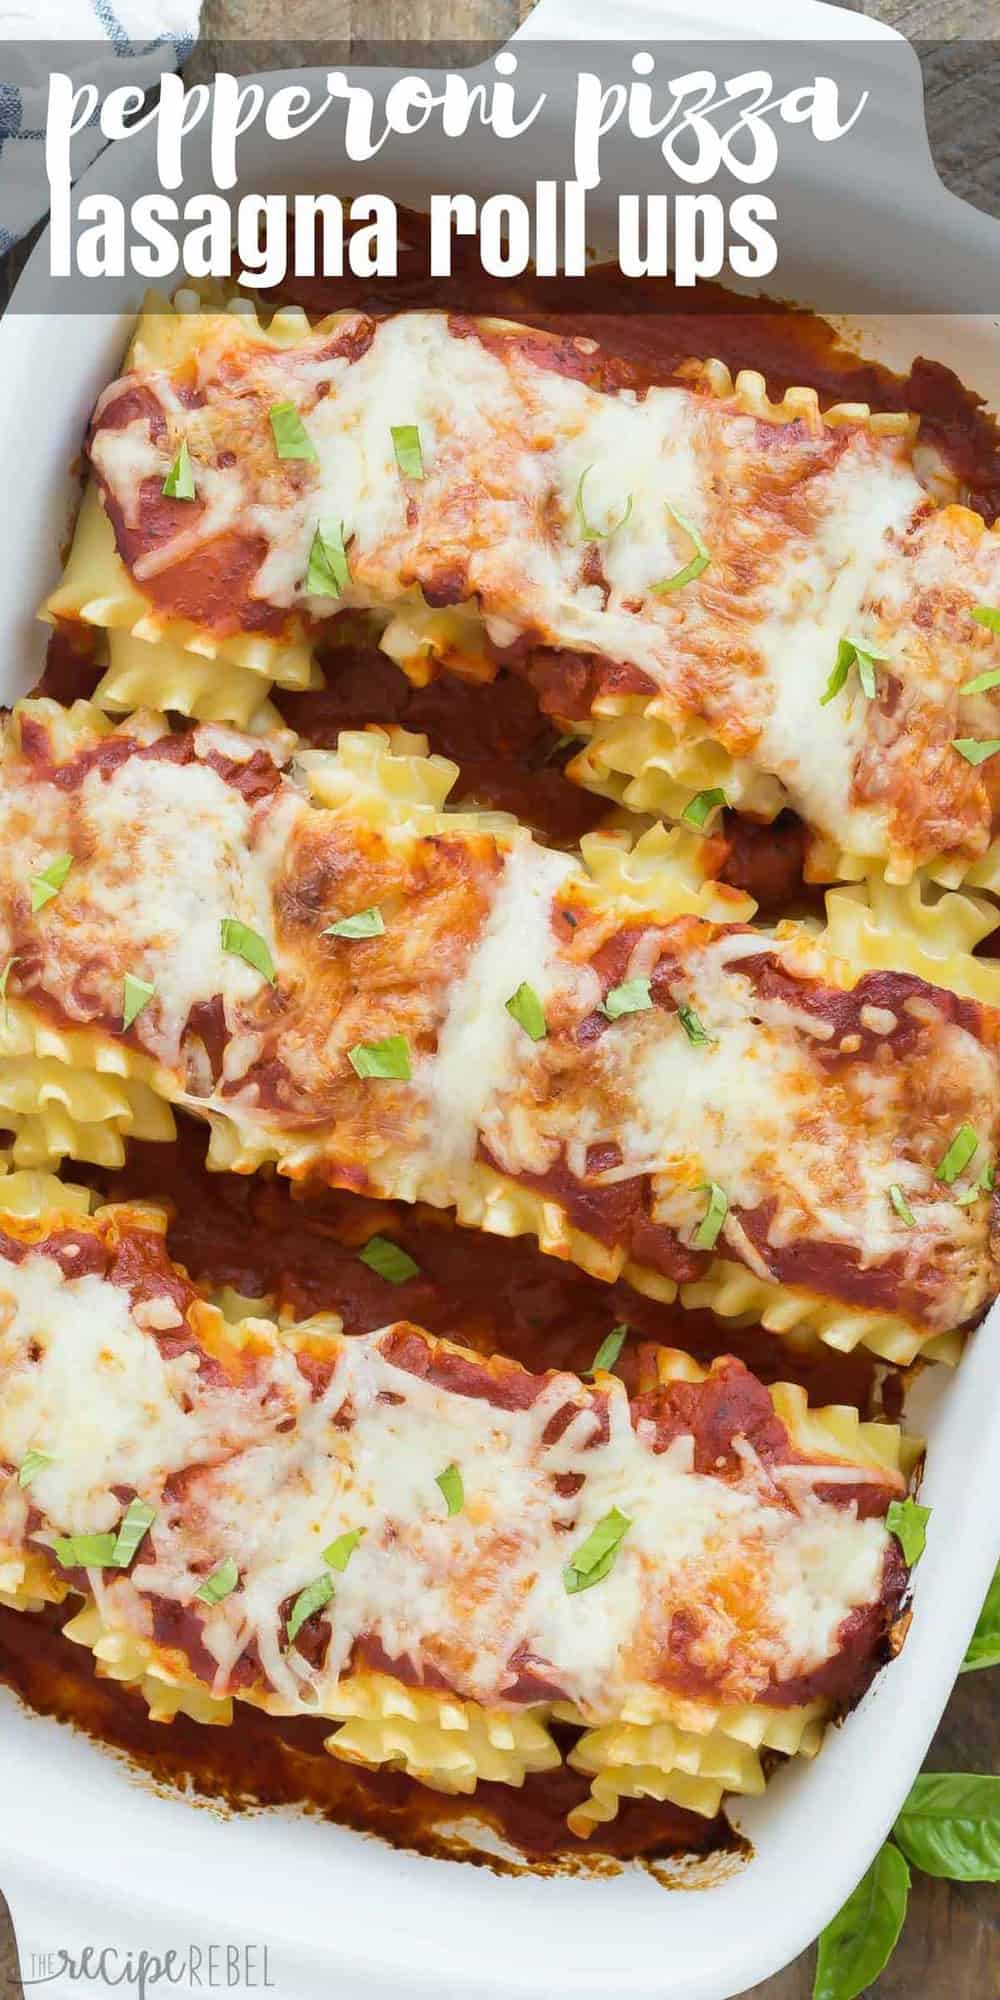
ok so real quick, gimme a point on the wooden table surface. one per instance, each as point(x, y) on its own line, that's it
point(951, 1943)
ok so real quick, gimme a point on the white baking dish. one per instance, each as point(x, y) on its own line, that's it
point(90, 1855)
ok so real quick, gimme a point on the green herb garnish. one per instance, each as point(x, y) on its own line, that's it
point(390, 1058)
point(220, 1584)
point(136, 994)
point(963, 1147)
point(706, 1235)
point(701, 807)
point(363, 924)
point(633, 997)
point(329, 572)
point(50, 881)
point(450, 1482)
point(526, 1009)
point(338, 1553)
point(596, 1555)
point(388, 1260)
point(242, 942)
point(291, 439)
point(609, 1350)
point(908, 1522)
point(135, 1523)
point(407, 447)
point(179, 482)
point(586, 529)
point(699, 561)
point(313, 1598)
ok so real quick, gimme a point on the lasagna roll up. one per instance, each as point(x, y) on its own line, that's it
point(345, 979)
point(401, 1536)
point(719, 593)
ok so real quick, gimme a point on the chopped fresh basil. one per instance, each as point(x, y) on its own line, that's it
point(407, 447)
point(388, 1260)
point(706, 1235)
point(984, 614)
point(586, 529)
point(699, 561)
point(135, 1523)
point(329, 572)
point(974, 750)
point(32, 1463)
point(694, 1029)
point(338, 1553)
point(950, 1826)
point(632, 997)
point(50, 881)
point(450, 1482)
point(701, 807)
point(390, 1058)
point(137, 994)
point(963, 1147)
point(850, 653)
point(901, 1205)
point(609, 1350)
point(363, 924)
point(291, 439)
point(244, 943)
point(313, 1598)
point(595, 1557)
point(984, 1645)
point(907, 1520)
point(982, 682)
point(179, 482)
point(85, 1551)
point(983, 1184)
point(526, 1009)
point(860, 1940)
point(220, 1584)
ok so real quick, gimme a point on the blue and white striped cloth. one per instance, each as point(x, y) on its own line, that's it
point(130, 41)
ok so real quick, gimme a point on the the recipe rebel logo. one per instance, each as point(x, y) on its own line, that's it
point(694, 130)
point(196, 1968)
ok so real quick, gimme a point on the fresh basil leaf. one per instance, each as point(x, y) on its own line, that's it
point(595, 1557)
point(950, 1826)
point(700, 808)
point(609, 1350)
point(974, 749)
point(291, 439)
point(901, 1205)
point(242, 942)
point(861, 1938)
point(695, 1030)
point(179, 482)
point(136, 994)
point(134, 1525)
point(388, 1260)
point(50, 881)
point(390, 1058)
point(632, 997)
point(314, 1597)
point(450, 1482)
point(85, 1551)
point(699, 561)
point(984, 1645)
point(33, 1463)
point(363, 924)
point(706, 1235)
point(220, 1584)
point(984, 614)
point(329, 571)
point(526, 1009)
point(338, 1553)
point(407, 447)
point(586, 529)
point(850, 653)
point(907, 1520)
point(963, 1148)
point(983, 682)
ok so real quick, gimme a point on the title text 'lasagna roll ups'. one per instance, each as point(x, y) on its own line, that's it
point(722, 592)
point(347, 980)
point(433, 1549)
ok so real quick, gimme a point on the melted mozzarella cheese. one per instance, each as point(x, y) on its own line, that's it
point(530, 475)
point(274, 1472)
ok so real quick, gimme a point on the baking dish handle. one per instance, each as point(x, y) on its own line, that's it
point(714, 20)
